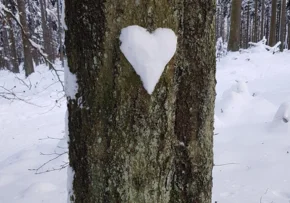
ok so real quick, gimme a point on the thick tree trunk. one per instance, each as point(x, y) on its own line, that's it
point(283, 25)
point(127, 146)
point(234, 40)
point(28, 62)
point(272, 40)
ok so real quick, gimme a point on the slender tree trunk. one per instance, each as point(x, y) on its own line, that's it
point(59, 32)
point(283, 25)
point(222, 24)
point(28, 62)
point(127, 146)
point(255, 39)
point(234, 40)
point(267, 31)
point(45, 31)
point(262, 20)
point(217, 24)
point(289, 35)
point(248, 24)
point(6, 48)
point(272, 40)
point(14, 61)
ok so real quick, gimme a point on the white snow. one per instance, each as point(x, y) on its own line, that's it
point(148, 52)
point(251, 141)
point(24, 131)
point(62, 4)
point(71, 85)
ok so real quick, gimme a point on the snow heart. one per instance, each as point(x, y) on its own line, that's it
point(148, 52)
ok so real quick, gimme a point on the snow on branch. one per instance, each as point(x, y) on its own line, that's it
point(262, 44)
point(5, 11)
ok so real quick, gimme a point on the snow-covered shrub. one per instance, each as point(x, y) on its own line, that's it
point(221, 48)
point(262, 47)
point(283, 113)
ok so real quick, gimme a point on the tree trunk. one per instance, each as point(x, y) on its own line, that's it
point(256, 22)
point(14, 61)
point(28, 62)
point(45, 31)
point(272, 40)
point(283, 24)
point(127, 146)
point(234, 40)
point(289, 35)
point(248, 24)
point(262, 20)
point(59, 32)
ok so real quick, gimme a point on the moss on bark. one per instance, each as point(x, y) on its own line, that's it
point(128, 146)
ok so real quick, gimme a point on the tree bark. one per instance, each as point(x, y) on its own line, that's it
point(283, 25)
point(248, 24)
point(262, 20)
point(272, 40)
point(289, 35)
point(59, 32)
point(46, 31)
point(234, 40)
point(28, 62)
point(127, 146)
point(256, 22)
point(14, 61)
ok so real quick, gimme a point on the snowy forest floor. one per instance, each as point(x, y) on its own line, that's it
point(252, 149)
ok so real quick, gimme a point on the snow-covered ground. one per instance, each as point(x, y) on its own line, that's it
point(252, 146)
point(252, 142)
point(27, 130)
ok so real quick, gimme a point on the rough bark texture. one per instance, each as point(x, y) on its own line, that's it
point(28, 63)
point(127, 146)
point(272, 40)
point(234, 40)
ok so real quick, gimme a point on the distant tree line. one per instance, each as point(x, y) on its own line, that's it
point(239, 22)
point(29, 31)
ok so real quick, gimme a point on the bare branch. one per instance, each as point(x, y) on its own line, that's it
point(38, 47)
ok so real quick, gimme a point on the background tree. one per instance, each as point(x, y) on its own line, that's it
point(128, 146)
point(28, 62)
point(283, 24)
point(272, 40)
point(234, 41)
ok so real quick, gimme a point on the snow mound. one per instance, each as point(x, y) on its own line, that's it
point(283, 113)
point(148, 52)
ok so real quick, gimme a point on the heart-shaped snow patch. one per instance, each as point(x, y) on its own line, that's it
point(148, 52)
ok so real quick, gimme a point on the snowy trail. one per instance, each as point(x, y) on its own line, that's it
point(252, 153)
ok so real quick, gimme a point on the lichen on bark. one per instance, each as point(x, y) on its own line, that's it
point(126, 145)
